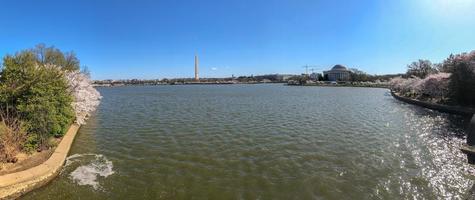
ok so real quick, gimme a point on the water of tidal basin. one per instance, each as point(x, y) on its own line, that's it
point(262, 142)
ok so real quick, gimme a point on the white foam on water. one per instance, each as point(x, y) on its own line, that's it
point(72, 158)
point(88, 174)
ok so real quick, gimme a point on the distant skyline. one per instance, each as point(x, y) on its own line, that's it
point(150, 39)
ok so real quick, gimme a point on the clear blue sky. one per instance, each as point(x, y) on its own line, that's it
point(157, 39)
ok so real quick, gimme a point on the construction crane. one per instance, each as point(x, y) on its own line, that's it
point(315, 69)
point(307, 68)
point(312, 68)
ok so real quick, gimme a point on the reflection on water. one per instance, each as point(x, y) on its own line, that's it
point(263, 142)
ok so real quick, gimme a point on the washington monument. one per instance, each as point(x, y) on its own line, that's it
point(197, 78)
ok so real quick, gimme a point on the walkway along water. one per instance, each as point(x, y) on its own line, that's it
point(457, 110)
point(17, 184)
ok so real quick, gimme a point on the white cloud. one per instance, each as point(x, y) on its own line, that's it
point(214, 68)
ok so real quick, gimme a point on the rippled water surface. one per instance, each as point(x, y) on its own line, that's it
point(262, 142)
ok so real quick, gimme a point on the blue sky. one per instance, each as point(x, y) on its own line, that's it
point(157, 39)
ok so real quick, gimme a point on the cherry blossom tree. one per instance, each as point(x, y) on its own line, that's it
point(86, 97)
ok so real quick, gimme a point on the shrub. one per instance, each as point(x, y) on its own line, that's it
point(31, 143)
point(38, 92)
point(11, 138)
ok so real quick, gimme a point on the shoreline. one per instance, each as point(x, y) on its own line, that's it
point(283, 83)
point(458, 110)
point(16, 184)
point(186, 83)
point(329, 85)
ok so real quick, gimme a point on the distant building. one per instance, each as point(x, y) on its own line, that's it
point(197, 77)
point(337, 73)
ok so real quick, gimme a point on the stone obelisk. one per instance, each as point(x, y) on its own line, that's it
point(197, 78)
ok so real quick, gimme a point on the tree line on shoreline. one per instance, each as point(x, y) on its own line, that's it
point(451, 82)
point(42, 92)
point(356, 76)
point(268, 78)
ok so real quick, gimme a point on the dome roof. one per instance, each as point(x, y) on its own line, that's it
point(339, 68)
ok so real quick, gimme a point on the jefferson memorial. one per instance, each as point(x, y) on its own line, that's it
point(338, 73)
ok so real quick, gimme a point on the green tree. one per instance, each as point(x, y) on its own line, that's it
point(53, 56)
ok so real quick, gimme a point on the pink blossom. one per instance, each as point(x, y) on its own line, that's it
point(433, 86)
point(86, 97)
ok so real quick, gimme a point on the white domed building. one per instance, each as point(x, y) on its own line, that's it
point(337, 73)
